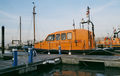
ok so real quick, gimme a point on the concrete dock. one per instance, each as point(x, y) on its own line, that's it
point(108, 61)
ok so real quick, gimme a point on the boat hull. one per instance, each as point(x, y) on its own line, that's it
point(83, 52)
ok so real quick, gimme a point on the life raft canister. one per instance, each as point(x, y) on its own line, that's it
point(107, 41)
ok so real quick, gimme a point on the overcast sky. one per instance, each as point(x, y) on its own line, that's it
point(56, 15)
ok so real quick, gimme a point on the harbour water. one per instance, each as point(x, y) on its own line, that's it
point(74, 70)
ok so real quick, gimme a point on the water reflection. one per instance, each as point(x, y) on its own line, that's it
point(74, 70)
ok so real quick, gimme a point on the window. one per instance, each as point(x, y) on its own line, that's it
point(69, 35)
point(57, 36)
point(63, 36)
point(50, 38)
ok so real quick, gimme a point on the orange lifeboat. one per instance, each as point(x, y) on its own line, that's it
point(75, 40)
point(112, 42)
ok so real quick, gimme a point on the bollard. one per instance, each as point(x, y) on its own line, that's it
point(15, 60)
point(59, 50)
point(48, 52)
point(30, 55)
point(69, 53)
point(48, 48)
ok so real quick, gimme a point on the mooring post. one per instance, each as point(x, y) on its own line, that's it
point(15, 60)
point(59, 50)
point(48, 48)
point(69, 53)
point(48, 52)
point(3, 44)
point(30, 55)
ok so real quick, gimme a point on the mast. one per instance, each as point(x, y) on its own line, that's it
point(73, 24)
point(74, 31)
point(20, 30)
point(34, 21)
point(88, 16)
point(89, 21)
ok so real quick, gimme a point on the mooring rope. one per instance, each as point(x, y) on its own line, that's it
point(91, 52)
point(112, 52)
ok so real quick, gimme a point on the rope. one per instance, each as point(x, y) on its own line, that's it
point(91, 52)
point(112, 52)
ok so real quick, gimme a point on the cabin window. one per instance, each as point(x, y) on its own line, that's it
point(50, 38)
point(63, 36)
point(57, 36)
point(69, 35)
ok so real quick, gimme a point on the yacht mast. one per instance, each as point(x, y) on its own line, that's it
point(20, 30)
point(34, 20)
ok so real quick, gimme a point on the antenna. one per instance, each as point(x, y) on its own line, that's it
point(73, 24)
point(34, 19)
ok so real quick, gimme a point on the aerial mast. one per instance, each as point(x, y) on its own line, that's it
point(34, 20)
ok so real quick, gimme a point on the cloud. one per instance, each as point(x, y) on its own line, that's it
point(103, 7)
point(8, 15)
